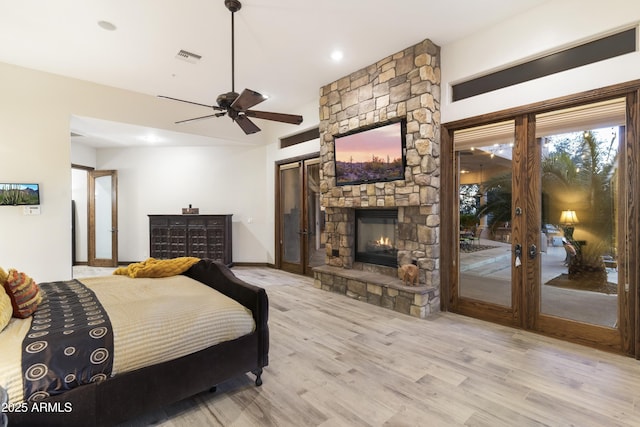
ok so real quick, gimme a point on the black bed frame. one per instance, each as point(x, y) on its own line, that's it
point(127, 395)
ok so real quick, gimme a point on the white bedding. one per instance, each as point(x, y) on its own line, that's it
point(153, 321)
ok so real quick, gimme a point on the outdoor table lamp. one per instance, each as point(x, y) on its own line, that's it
point(568, 218)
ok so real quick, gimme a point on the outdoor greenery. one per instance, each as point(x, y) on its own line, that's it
point(580, 167)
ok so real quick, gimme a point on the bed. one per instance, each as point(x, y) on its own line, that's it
point(151, 376)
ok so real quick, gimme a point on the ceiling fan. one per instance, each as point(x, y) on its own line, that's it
point(237, 106)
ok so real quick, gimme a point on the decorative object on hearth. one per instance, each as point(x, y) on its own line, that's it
point(410, 275)
point(237, 106)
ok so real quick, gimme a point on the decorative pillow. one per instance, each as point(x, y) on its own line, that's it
point(23, 292)
point(6, 310)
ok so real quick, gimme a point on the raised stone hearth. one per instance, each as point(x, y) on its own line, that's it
point(403, 85)
point(378, 289)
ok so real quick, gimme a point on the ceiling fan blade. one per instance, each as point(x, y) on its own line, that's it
point(246, 124)
point(208, 116)
point(247, 99)
point(215, 107)
point(276, 117)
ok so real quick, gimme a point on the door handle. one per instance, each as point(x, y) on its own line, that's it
point(518, 250)
point(533, 251)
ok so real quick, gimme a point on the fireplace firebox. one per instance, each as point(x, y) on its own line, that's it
point(375, 236)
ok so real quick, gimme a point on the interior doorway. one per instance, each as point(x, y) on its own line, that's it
point(94, 210)
point(541, 239)
point(103, 218)
point(300, 218)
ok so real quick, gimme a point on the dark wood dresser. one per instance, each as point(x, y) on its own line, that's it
point(202, 236)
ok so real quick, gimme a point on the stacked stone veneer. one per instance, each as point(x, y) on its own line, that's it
point(406, 84)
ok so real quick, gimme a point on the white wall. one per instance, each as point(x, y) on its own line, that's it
point(548, 28)
point(34, 146)
point(217, 180)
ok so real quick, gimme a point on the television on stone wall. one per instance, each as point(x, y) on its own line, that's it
point(19, 194)
point(371, 154)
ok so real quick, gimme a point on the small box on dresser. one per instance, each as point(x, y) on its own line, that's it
point(202, 236)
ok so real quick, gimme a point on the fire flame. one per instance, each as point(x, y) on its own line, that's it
point(383, 241)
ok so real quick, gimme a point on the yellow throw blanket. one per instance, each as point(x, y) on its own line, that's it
point(157, 267)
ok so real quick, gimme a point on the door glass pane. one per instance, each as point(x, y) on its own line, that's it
point(291, 213)
point(315, 217)
point(485, 160)
point(579, 215)
point(103, 217)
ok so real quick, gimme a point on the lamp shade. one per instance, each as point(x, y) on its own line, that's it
point(568, 217)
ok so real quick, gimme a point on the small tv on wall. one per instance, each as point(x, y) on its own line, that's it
point(19, 194)
point(372, 154)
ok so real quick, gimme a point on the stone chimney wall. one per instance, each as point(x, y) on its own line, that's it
point(405, 84)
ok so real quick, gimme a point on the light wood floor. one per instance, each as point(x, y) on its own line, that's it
point(339, 362)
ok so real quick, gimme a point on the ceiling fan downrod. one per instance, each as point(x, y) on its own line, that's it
point(233, 6)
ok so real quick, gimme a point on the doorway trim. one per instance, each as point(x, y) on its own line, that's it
point(630, 340)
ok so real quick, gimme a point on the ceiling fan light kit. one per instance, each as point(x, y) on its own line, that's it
point(235, 105)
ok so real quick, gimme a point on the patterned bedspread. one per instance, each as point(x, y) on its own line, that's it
point(153, 321)
point(70, 341)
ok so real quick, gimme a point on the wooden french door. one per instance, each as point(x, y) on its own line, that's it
point(300, 218)
point(103, 218)
point(576, 168)
point(542, 236)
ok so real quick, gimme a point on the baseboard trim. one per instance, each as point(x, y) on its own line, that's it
point(253, 264)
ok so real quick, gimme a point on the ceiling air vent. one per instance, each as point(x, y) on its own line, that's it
point(191, 58)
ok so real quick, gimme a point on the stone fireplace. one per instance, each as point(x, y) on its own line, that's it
point(406, 84)
point(376, 232)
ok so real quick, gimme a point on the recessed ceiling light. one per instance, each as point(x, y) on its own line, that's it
point(150, 139)
point(106, 25)
point(337, 55)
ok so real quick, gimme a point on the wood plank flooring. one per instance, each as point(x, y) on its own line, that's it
point(335, 361)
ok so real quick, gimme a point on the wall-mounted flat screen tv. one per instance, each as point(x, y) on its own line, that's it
point(372, 154)
point(19, 194)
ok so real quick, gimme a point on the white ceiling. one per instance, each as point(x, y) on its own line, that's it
point(282, 47)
